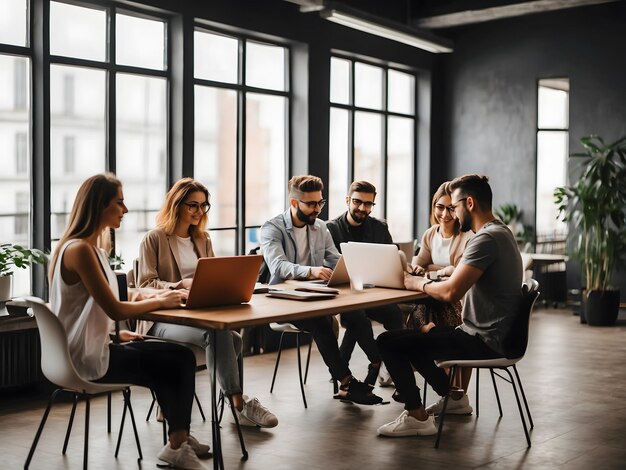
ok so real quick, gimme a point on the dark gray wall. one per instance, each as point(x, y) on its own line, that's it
point(490, 96)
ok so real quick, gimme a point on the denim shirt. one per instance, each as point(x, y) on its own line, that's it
point(278, 244)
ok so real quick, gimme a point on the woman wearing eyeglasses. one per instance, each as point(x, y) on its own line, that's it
point(167, 259)
point(440, 251)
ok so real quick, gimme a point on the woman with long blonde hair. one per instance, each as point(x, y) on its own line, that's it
point(167, 259)
point(84, 295)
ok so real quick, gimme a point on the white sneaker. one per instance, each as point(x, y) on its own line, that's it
point(255, 414)
point(184, 457)
point(384, 379)
point(201, 450)
point(455, 407)
point(407, 425)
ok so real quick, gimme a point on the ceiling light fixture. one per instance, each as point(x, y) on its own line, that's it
point(389, 30)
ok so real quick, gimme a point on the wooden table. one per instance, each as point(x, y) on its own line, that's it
point(262, 310)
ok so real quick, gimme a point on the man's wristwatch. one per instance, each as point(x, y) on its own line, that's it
point(424, 286)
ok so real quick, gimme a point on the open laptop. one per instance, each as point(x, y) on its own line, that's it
point(223, 280)
point(374, 263)
point(339, 276)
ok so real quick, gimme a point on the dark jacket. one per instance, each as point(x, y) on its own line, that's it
point(373, 231)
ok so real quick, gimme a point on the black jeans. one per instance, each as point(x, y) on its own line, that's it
point(168, 369)
point(358, 327)
point(321, 329)
point(402, 349)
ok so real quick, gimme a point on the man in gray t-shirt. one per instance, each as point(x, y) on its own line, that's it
point(490, 278)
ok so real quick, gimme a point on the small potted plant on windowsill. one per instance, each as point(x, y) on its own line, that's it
point(14, 256)
point(595, 207)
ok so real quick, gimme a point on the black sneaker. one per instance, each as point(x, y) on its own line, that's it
point(357, 392)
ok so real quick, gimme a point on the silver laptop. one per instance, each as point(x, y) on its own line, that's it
point(340, 276)
point(374, 264)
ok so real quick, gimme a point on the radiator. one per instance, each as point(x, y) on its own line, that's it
point(20, 357)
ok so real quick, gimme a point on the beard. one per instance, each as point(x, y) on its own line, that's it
point(465, 223)
point(359, 219)
point(308, 219)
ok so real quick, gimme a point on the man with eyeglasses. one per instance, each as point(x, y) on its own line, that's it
point(489, 277)
point(357, 225)
point(297, 245)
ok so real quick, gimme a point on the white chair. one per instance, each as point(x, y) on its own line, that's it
point(57, 367)
point(516, 342)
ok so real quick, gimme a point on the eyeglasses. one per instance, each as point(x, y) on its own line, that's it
point(194, 207)
point(366, 204)
point(314, 204)
point(456, 204)
point(441, 208)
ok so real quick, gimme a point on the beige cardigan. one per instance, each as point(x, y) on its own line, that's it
point(159, 260)
point(425, 258)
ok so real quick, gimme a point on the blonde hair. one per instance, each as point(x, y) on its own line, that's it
point(167, 217)
point(443, 190)
point(93, 196)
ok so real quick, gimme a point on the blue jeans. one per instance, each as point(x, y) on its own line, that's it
point(228, 348)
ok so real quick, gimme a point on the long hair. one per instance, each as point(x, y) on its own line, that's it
point(167, 217)
point(443, 190)
point(93, 196)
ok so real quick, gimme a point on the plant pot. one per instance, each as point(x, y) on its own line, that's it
point(583, 301)
point(5, 293)
point(601, 307)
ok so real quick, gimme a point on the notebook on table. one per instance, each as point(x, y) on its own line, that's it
point(299, 295)
point(223, 280)
point(374, 263)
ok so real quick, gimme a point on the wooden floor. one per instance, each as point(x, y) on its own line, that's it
point(574, 376)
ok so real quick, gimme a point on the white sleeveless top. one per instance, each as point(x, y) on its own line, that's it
point(86, 324)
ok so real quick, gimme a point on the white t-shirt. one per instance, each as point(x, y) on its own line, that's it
point(86, 324)
point(188, 257)
point(302, 245)
point(440, 249)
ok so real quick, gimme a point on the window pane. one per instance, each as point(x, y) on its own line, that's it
point(215, 57)
point(339, 80)
point(77, 110)
point(140, 42)
point(552, 150)
point(215, 150)
point(368, 86)
point(252, 239)
point(223, 242)
point(401, 93)
point(266, 155)
point(15, 159)
point(368, 150)
point(265, 66)
point(553, 106)
point(400, 178)
point(141, 156)
point(14, 22)
point(77, 32)
point(338, 154)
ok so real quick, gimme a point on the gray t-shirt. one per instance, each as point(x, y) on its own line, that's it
point(491, 304)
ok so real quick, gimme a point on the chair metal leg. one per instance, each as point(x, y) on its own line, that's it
point(519, 382)
point(151, 405)
point(280, 350)
point(244, 452)
point(127, 405)
point(477, 390)
point(445, 407)
point(220, 405)
point(199, 406)
point(69, 424)
point(164, 431)
point(109, 412)
point(519, 406)
point(495, 389)
point(308, 359)
point(86, 450)
point(425, 388)
point(300, 369)
point(44, 418)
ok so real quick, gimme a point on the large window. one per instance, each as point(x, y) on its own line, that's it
point(372, 137)
point(552, 152)
point(108, 88)
point(15, 133)
point(241, 120)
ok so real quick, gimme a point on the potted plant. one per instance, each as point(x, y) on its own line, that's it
point(14, 256)
point(594, 206)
